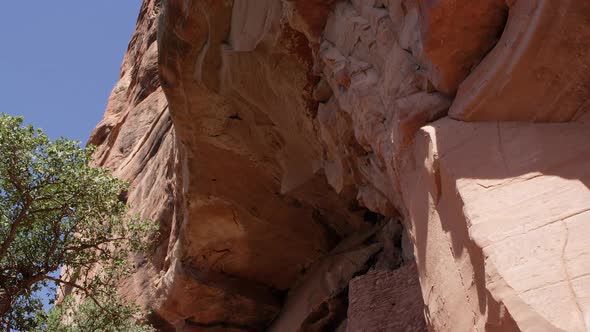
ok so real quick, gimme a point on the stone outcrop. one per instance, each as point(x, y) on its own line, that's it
point(386, 301)
point(468, 204)
point(538, 70)
point(299, 155)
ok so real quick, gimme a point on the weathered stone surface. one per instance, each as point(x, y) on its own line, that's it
point(455, 36)
point(137, 141)
point(313, 299)
point(232, 181)
point(537, 72)
point(501, 200)
point(255, 209)
point(309, 16)
point(257, 133)
point(386, 301)
point(380, 99)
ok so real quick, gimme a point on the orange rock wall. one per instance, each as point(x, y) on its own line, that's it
point(279, 143)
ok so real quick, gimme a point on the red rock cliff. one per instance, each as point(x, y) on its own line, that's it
point(375, 165)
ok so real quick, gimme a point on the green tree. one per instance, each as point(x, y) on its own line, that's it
point(59, 213)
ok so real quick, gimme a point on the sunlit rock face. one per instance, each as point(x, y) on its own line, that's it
point(309, 161)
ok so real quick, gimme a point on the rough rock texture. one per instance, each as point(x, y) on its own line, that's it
point(455, 37)
point(256, 213)
point(277, 143)
point(318, 302)
point(386, 301)
point(231, 181)
point(312, 301)
point(537, 72)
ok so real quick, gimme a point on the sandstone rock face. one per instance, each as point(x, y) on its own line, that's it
point(538, 70)
point(386, 301)
point(278, 143)
point(478, 179)
point(455, 37)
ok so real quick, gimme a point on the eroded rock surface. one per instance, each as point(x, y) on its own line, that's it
point(386, 301)
point(529, 259)
point(277, 142)
point(537, 72)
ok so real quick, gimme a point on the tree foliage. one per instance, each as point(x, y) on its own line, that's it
point(57, 211)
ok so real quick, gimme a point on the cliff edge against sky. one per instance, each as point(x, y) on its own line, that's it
point(376, 165)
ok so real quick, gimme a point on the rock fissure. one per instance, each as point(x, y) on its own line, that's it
point(567, 276)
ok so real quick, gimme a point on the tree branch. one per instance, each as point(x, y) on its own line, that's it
point(87, 293)
point(13, 229)
point(21, 215)
point(75, 285)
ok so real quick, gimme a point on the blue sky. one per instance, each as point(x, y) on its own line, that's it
point(60, 59)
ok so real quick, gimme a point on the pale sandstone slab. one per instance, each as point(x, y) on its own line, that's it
point(520, 187)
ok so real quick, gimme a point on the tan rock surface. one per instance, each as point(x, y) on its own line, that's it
point(501, 199)
point(305, 307)
point(257, 132)
point(537, 72)
point(456, 34)
point(386, 301)
point(231, 181)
